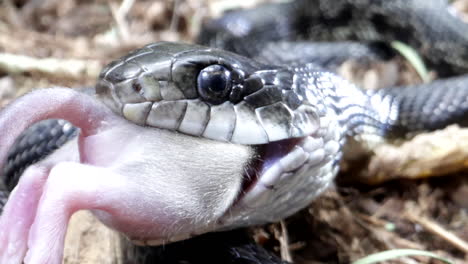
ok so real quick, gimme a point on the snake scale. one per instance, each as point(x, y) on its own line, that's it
point(258, 80)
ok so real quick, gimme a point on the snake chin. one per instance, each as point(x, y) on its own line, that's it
point(277, 173)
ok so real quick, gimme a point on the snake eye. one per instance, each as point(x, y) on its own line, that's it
point(214, 83)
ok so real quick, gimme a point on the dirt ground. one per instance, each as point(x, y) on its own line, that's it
point(46, 43)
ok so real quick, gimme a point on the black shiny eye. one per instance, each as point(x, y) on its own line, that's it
point(214, 83)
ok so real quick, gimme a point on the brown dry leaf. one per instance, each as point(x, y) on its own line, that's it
point(426, 155)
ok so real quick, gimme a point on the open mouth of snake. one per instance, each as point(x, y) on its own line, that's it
point(271, 163)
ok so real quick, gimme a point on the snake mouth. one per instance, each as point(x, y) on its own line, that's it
point(271, 163)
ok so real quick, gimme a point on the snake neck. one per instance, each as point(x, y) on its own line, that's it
point(366, 117)
point(370, 117)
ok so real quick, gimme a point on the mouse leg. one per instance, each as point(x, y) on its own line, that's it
point(68, 188)
point(19, 213)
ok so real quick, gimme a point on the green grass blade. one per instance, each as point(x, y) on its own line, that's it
point(414, 59)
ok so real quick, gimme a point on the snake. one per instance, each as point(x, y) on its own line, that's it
point(255, 78)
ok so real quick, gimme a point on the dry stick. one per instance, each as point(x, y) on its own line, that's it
point(284, 243)
point(125, 7)
point(12, 14)
point(119, 15)
point(175, 16)
point(388, 238)
point(68, 68)
point(436, 229)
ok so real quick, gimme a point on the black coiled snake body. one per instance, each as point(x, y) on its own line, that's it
point(262, 83)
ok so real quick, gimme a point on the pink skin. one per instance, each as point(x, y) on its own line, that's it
point(126, 174)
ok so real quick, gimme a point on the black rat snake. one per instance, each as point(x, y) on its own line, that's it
point(273, 91)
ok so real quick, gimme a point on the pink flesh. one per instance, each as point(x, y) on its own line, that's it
point(146, 183)
point(61, 103)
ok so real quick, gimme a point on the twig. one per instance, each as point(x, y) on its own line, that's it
point(389, 239)
point(436, 229)
point(175, 16)
point(284, 243)
point(125, 7)
point(119, 15)
point(68, 68)
point(12, 14)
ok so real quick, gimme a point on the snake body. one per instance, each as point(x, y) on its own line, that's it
point(428, 26)
point(278, 96)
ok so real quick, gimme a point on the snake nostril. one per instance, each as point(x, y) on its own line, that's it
point(137, 87)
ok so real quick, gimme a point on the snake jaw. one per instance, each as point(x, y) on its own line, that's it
point(301, 166)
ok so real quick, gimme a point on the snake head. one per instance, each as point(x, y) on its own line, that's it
point(218, 95)
point(207, 92)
